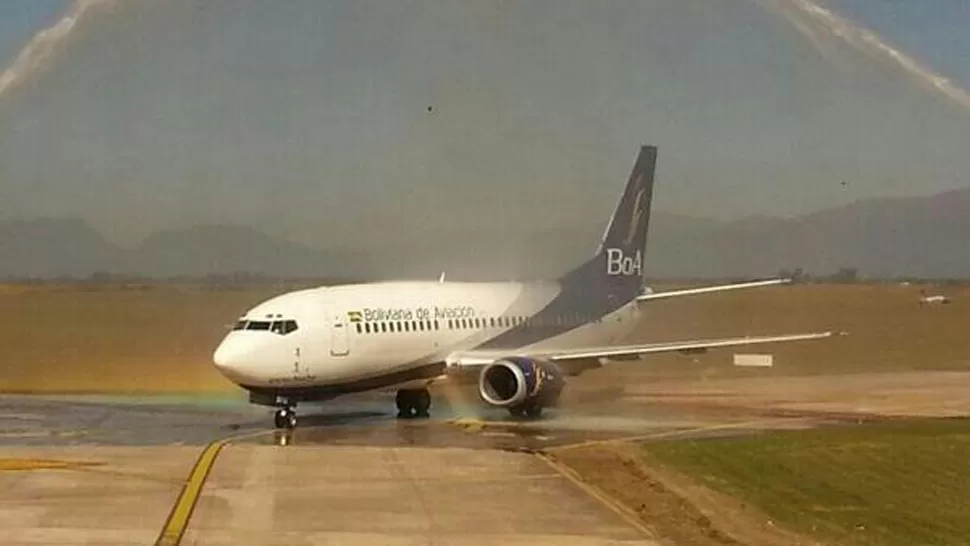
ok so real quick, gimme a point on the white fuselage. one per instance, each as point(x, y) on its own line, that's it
point(347, 335)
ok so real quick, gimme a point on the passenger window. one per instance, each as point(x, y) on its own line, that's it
point(359, 328)
point(407, 326)
point(436, 324)
point(384, 327)
point(367, 327)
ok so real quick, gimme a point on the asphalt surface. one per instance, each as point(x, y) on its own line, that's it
point(362, 420)
point(194, 470)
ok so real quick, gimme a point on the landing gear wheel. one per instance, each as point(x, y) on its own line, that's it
point(412, 403)
point(530, 411)
point(285, 418)
point(422, 403)
point(534, 411)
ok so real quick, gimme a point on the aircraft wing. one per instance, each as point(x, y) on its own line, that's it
point(708, 289)
point(483, 358)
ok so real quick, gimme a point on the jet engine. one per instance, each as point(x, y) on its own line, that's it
point(521, 384)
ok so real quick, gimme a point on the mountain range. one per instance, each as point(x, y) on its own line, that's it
point(921, 237)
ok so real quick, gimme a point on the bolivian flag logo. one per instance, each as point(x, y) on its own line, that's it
point(354, 316)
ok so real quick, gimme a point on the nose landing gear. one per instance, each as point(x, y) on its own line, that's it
point(285, 418)
point(413, 403)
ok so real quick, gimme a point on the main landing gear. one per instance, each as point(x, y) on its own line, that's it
point(413, 403)
point(285, 418)
point(526, 411)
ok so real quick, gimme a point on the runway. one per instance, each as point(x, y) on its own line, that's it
point(83, 470)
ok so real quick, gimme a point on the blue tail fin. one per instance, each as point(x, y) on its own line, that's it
point(616, 271)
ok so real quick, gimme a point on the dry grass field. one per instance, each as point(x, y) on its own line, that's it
point(888, 330)
point(113, 339)
point(160, 338)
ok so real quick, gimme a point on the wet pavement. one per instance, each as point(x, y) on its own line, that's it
point(109, 470)
point(364, 420)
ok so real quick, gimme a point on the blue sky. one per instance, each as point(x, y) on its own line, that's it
point(934, 31)
point(310, 117)
point(21, 19)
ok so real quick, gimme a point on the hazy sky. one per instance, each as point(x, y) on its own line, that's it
point(310, 118)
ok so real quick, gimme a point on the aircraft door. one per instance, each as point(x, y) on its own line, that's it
point(339, 333)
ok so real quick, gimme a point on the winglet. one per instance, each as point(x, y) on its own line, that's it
point(442, 277)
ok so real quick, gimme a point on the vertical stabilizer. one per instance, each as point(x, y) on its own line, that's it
point(627, 230)
point(616, 271)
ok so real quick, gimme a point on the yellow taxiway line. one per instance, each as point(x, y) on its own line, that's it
point(178, 518)
point(42, 464)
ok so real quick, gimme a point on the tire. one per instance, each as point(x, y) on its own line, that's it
point(405, 404)
point(281, 418)
point(422, 402)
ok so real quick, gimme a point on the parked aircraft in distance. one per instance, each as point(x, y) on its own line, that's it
point(932, 299)
point(523, 339)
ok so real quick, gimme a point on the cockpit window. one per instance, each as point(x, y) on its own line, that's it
point(278, 327)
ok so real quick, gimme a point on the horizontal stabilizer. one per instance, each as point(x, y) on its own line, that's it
point(710, 289)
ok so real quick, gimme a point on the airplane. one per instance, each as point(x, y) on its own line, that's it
point(523, 339)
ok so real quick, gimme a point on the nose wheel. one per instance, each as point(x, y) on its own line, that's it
point(285, 418)
point(413, 403)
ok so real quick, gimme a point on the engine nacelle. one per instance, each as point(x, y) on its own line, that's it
point(519, 382)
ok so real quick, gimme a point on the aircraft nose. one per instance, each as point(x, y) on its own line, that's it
point(233, 358)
